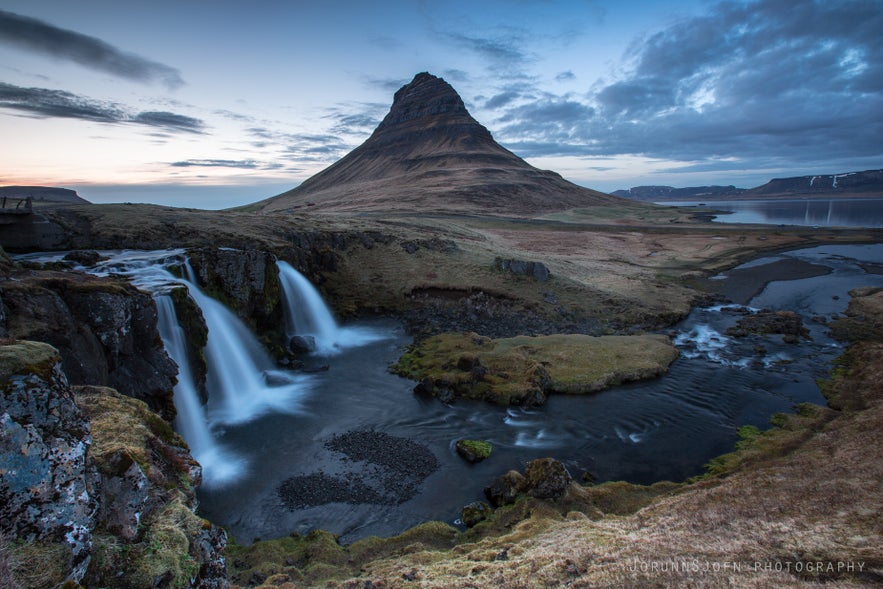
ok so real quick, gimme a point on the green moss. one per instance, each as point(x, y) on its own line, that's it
point(474, 450)
point(510, 370)
point(789, 432)
point(25, 357)
point(164, 553)
point(317, 556)
point(122, 425)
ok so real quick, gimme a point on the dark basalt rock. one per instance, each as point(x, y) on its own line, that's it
point(536, 270)
point(786, 323)
point(543, 478)
point(505, 489)
point(105, 330)
point(546, 478)
point(473, 451)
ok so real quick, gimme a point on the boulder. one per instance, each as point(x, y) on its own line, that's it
point(504, 489)
point(536, 270)
point(546, 478)
point(49, 490)
point(473, 451)
point(475, 512)
point(301, 344)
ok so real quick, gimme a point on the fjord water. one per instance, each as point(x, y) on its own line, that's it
point(838, 212)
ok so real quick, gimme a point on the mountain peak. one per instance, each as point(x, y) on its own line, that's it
point(426, 96)
point(429, 154)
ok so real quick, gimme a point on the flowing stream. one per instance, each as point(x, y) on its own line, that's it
point(262, 426)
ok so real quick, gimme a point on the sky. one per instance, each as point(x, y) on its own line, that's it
point(216, 104)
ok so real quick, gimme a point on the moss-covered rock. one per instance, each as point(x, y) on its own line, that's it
point(522, 370)
point(48, 488)
point(473, 450)
point(475, 512)
point(147, 523)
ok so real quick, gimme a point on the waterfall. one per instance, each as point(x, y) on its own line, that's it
point(241, 381)
point(305, 311)
point(306, 314)
point(219, 465)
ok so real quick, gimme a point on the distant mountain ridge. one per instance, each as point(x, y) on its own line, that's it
point(866, 183)
point(671, 193)
point(429, 155)
point(43, 194)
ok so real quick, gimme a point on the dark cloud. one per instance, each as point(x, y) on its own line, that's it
point(456, 75)
point(47, 103)
point(41, 37)
point(386, 85)
point(501, 99)
point(212, 163)
point(565, 76)
point(168, 120)
point(354, 124)
point(502, 49)
point(792, 81)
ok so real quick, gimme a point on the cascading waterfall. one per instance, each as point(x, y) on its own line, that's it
point(306, 314)
point(241, 380)
point(305, 311)
point(219, 465)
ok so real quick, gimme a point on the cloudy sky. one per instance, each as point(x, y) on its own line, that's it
point(212, 104)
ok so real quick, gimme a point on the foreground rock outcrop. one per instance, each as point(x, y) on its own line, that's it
point(104, 328)
point(96, 488)
point(49, 491)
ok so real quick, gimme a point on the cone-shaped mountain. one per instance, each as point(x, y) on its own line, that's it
point(429, 155)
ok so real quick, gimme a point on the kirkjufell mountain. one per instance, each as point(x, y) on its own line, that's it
point(429, 155)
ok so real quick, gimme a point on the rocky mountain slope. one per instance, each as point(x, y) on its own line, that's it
point(429, 155)
point(867, 183)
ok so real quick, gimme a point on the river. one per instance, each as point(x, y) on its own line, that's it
point(663, 429)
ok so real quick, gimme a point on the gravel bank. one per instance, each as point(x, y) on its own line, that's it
point(379, 469)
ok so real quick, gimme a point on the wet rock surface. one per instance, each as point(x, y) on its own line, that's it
point(105, 330)
point(786, 323)
point(379, 468)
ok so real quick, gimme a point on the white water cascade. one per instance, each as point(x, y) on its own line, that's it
point(241, 380)
point(306, 314)
point(219, 465)
point(242, 383)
